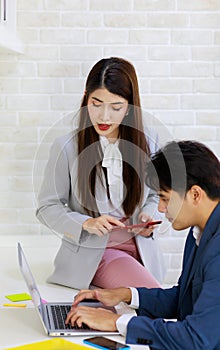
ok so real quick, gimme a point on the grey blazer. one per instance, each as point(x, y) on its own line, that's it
point(59, 209)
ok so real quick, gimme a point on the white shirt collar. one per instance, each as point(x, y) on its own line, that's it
point(197, 234)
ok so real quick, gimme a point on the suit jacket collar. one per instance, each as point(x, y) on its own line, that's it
point(197, 253)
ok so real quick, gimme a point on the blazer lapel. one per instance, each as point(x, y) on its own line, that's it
point(187, 272)
point(206, 236)
point(197, 253)
point(194, 260)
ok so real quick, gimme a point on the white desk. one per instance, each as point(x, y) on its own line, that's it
point(21, 325)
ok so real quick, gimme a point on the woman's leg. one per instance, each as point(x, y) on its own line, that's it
point(118, 269)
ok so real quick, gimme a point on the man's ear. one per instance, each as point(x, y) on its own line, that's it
point(196, 193)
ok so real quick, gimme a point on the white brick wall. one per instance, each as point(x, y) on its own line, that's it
point(175, 47)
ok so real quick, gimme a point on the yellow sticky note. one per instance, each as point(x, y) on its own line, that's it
point(52, 344)
point(14, 305)
point(18, 297)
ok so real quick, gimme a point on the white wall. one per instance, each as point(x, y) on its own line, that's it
point(175, 48)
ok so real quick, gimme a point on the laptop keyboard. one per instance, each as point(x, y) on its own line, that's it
point(59, 314)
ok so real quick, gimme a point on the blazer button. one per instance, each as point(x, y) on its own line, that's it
point(144, 341)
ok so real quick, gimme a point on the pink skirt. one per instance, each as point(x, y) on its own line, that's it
point(121, 265)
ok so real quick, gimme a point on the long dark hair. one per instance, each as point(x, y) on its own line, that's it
point(118, 76)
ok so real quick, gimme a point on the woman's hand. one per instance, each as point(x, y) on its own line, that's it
point(95, 318)
point(102, 225)
point(109, 297)
point(145, 232)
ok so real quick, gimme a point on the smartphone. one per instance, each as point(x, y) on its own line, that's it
point(142, 224)
point(105, 343)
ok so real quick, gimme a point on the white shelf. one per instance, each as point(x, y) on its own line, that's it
point(8, 35)
point(10, 41)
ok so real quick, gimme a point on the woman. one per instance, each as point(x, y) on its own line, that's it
point(94, 185)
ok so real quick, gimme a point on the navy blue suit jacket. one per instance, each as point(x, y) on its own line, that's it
point(194, 301)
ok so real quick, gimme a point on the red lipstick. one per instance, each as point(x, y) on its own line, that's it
point(104, 127)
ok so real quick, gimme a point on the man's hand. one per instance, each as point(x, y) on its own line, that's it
point(109, 297)
point(95, 318)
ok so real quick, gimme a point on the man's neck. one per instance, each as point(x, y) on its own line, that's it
point(205, 212)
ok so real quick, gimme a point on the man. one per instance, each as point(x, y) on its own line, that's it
point(188, 184)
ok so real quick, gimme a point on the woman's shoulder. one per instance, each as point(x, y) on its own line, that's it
point(150, 131)
point(66, 142)
point(66, 138)
point(152, 138)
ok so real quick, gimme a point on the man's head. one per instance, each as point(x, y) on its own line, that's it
point(186, 174)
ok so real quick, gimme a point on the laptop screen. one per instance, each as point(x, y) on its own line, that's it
point(26, 272)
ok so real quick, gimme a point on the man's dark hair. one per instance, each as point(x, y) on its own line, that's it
point(180, 165)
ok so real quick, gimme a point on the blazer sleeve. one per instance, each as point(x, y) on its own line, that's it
point(158, 302)
point(199, 329)
point(54, 197)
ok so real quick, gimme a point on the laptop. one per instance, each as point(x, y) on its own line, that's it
point(53, 315)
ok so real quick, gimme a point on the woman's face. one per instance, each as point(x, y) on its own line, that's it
point(106, 112)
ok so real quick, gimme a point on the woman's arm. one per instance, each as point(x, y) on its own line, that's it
point(55, 194)
point(59, 206)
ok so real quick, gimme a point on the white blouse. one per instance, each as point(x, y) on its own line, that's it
point(112, 161)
